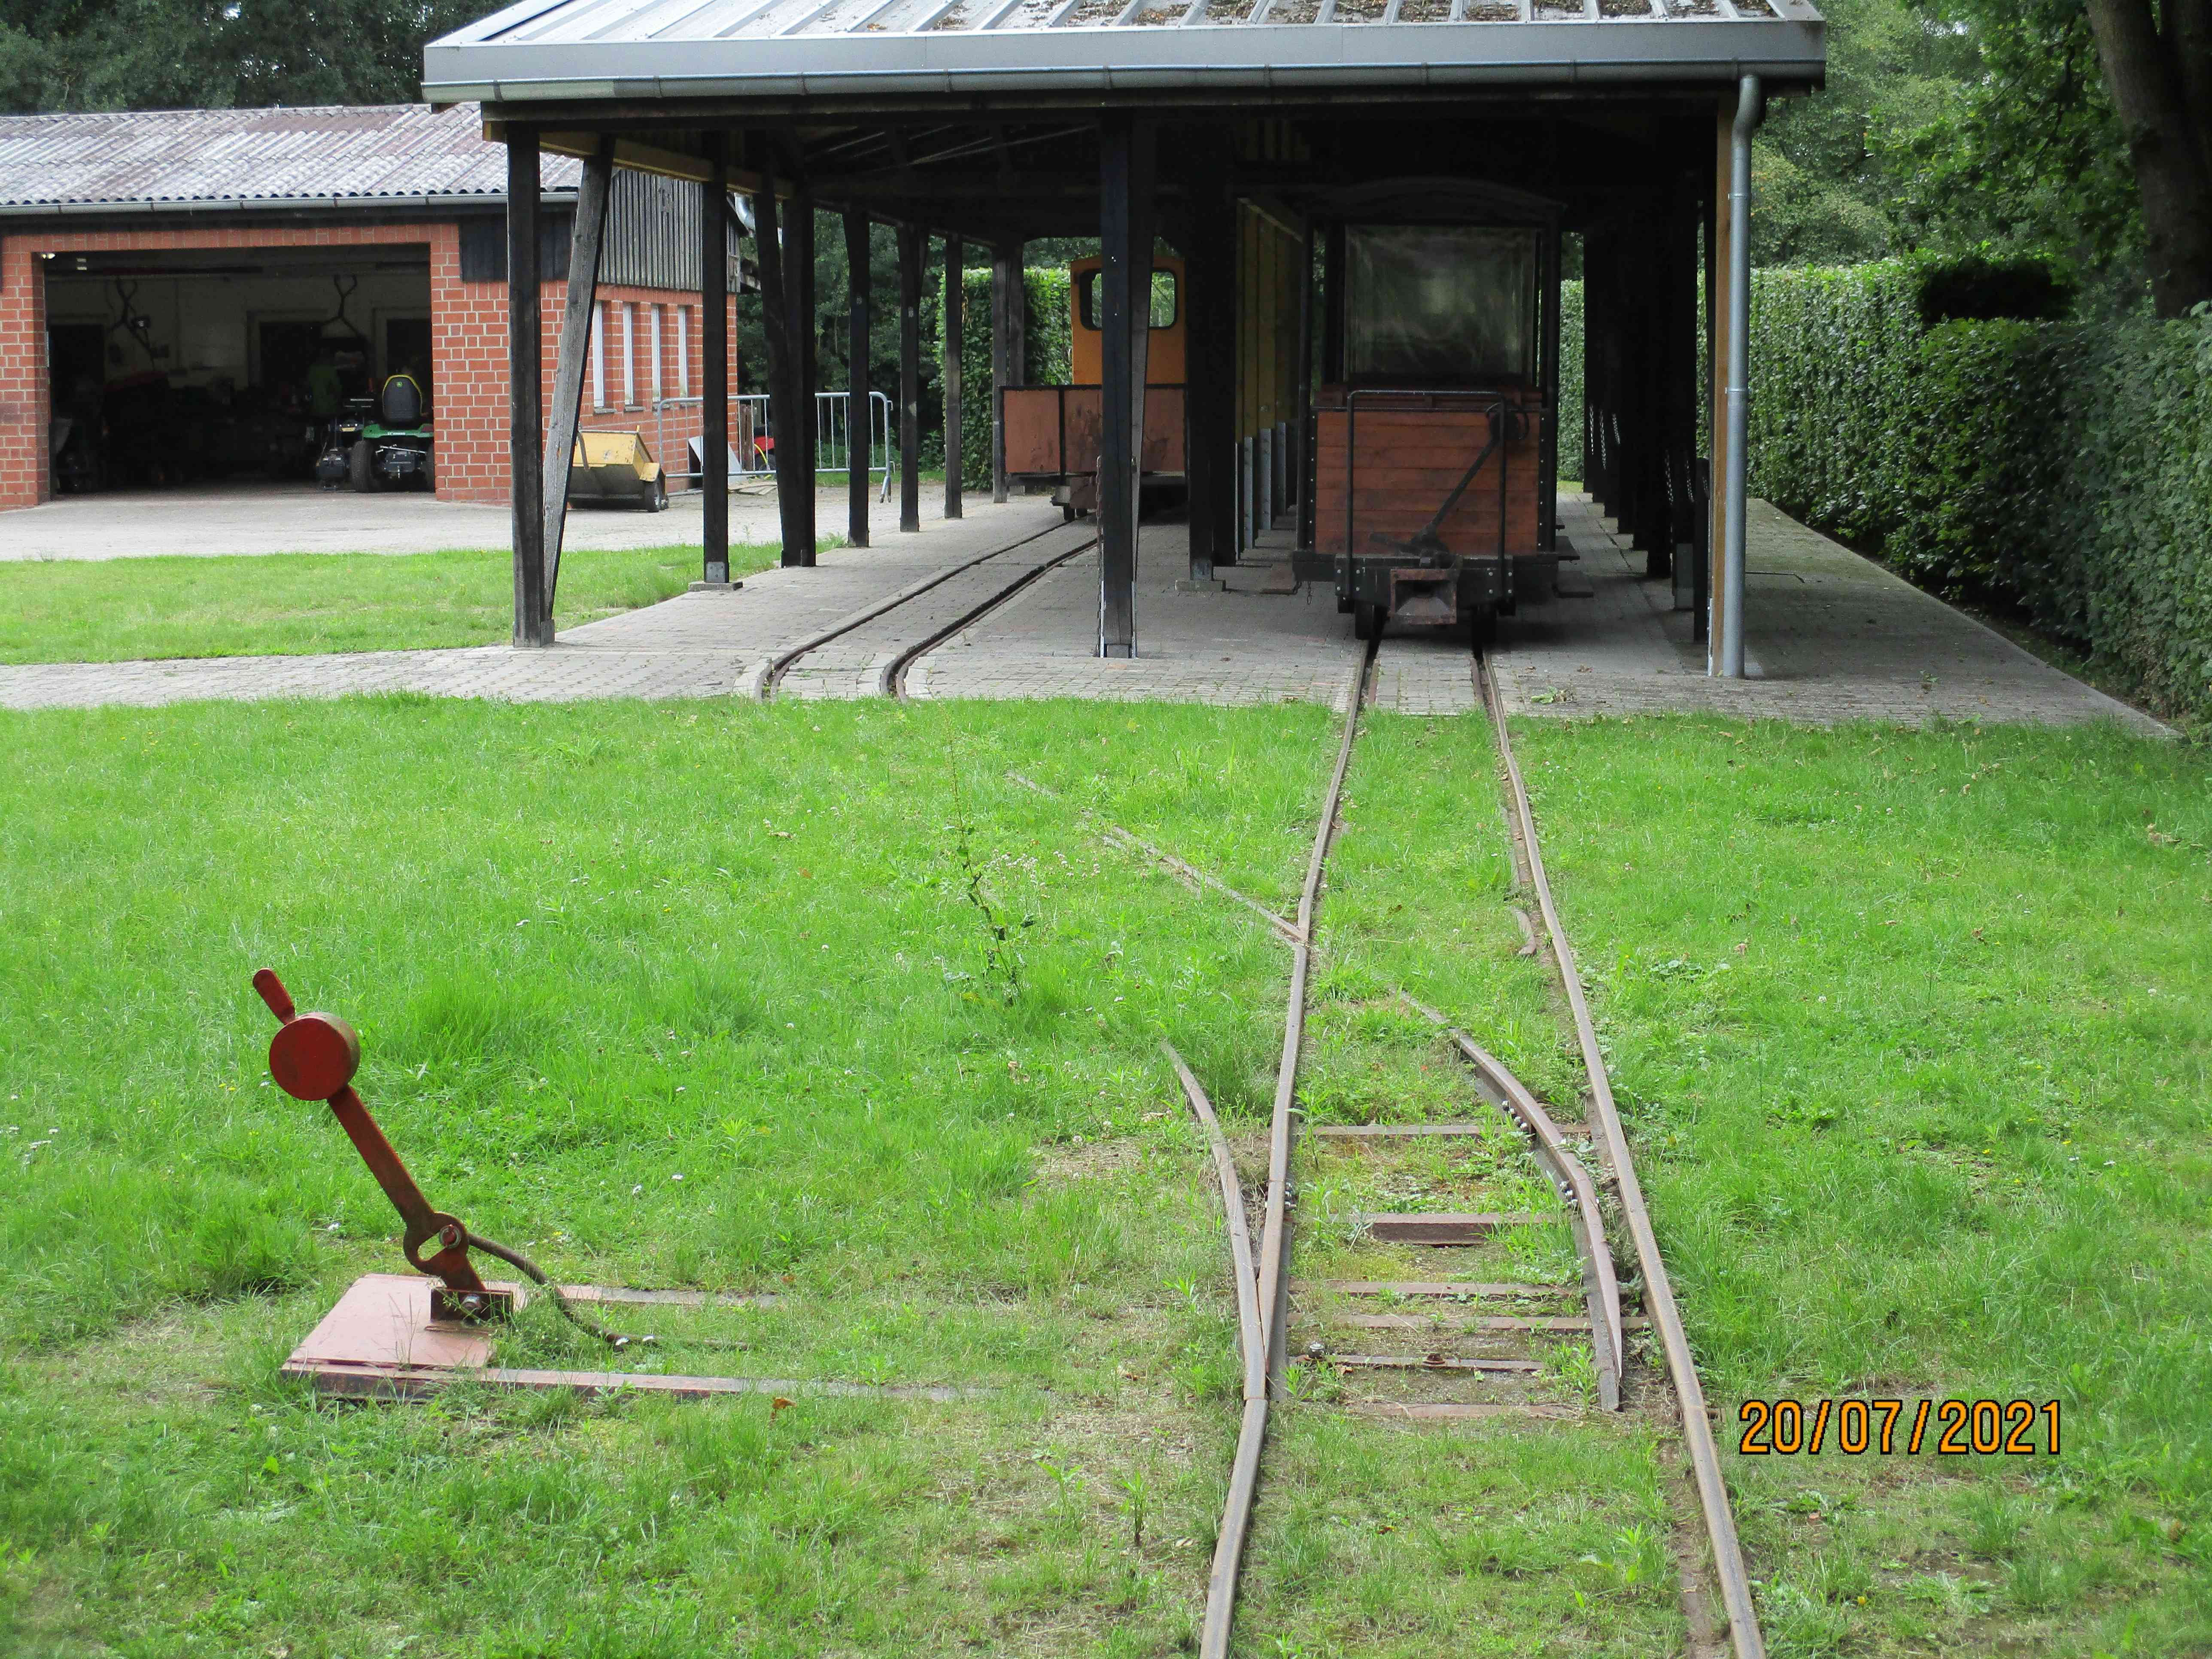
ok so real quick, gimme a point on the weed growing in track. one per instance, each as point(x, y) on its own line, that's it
point(305, 603)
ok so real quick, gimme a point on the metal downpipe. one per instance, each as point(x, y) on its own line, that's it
point(1750, 109)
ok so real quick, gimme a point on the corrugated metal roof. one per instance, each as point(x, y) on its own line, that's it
point(303, 156)
point(632, 50)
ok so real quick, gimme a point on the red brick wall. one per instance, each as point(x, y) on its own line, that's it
point(468, 349)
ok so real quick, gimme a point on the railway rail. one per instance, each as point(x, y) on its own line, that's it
point(1263, 1281)
point(890, 677)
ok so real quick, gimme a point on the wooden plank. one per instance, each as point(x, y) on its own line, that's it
point(1438, 1287)
point(1463, 1411)
point(1465, 1327)
point(1442, 1228)
point(1408, 1362)
point(1384, 1131)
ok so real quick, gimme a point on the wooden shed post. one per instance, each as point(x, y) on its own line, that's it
point(526, 390)
point(1008, 290)
point(796, 433)
point(913, 241)
point(955, 260)
point(715, 365)
point(859, 409)
point(589, 237)
point(1124, 292)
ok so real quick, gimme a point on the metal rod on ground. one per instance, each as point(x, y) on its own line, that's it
point(583, 298)
point(1658, 1290)
point(1252, 1432)
point(1274, 1283)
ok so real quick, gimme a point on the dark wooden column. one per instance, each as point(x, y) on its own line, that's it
point(796, 435)
point(859, 409)
point(913, 242)
point(526, 390)
point(1301, 423)
point(715, 366)
point(585, 240)
point(1008, 290)
point(956, 256)
point(1125, 289)
point(1210, 359)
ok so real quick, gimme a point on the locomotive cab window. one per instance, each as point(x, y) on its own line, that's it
point(1439, 305)
point(1165, 299)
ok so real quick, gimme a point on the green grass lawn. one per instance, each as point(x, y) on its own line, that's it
point(291, 603)
point(595, 949)
point(667, 996)
point(1913, 1032)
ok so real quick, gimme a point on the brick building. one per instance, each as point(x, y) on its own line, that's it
point(167, 279)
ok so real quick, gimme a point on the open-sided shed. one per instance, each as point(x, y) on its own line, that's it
point(1261, 139)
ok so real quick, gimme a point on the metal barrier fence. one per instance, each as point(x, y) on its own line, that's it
point(752, 436)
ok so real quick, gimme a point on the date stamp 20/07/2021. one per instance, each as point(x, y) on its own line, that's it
point(1950, 1428)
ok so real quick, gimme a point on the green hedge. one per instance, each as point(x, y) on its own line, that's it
point(2064, 469)
point(1044, 357)
point(1571, 381)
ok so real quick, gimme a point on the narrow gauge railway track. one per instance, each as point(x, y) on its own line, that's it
point(891, 679)
point(1263, 1280)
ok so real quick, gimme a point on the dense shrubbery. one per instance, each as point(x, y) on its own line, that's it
point(1045, 359)
point(2064, 469)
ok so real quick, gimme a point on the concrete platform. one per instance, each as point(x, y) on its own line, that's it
point(1831, 637)
point(206, 520)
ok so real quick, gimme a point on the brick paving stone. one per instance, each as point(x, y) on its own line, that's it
point(1831, 637)
point(854, 664)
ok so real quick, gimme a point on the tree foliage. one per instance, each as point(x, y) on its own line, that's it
point(1824, 166)
point(179, 54)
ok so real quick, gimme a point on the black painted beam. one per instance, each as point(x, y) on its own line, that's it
point(859, 409)
point(715, 373)
point(913, 242)
point(525, 369)
point(954, 302)
point(1125, 230)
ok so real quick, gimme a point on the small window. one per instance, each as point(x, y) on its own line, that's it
point(1165, 299)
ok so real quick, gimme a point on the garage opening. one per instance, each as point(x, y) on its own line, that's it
point(197, 366)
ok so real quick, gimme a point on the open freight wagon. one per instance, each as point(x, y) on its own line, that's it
point(1431, 459)
point(1052, 432)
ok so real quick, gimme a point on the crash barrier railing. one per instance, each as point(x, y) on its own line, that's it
point(752, 434)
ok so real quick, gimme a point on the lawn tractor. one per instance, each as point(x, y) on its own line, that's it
point(380, 445)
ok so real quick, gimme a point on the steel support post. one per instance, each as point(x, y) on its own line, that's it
point(715, 366)
point(526, 390)
point(1728, 630)
point(913, 242)
point(955, 298)
point(1301, 424)
point(859, 409)
point(1006, 286)
point(1125, 287)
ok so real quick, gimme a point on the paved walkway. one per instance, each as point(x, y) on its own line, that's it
point(208, 520)
point(1832, 637)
